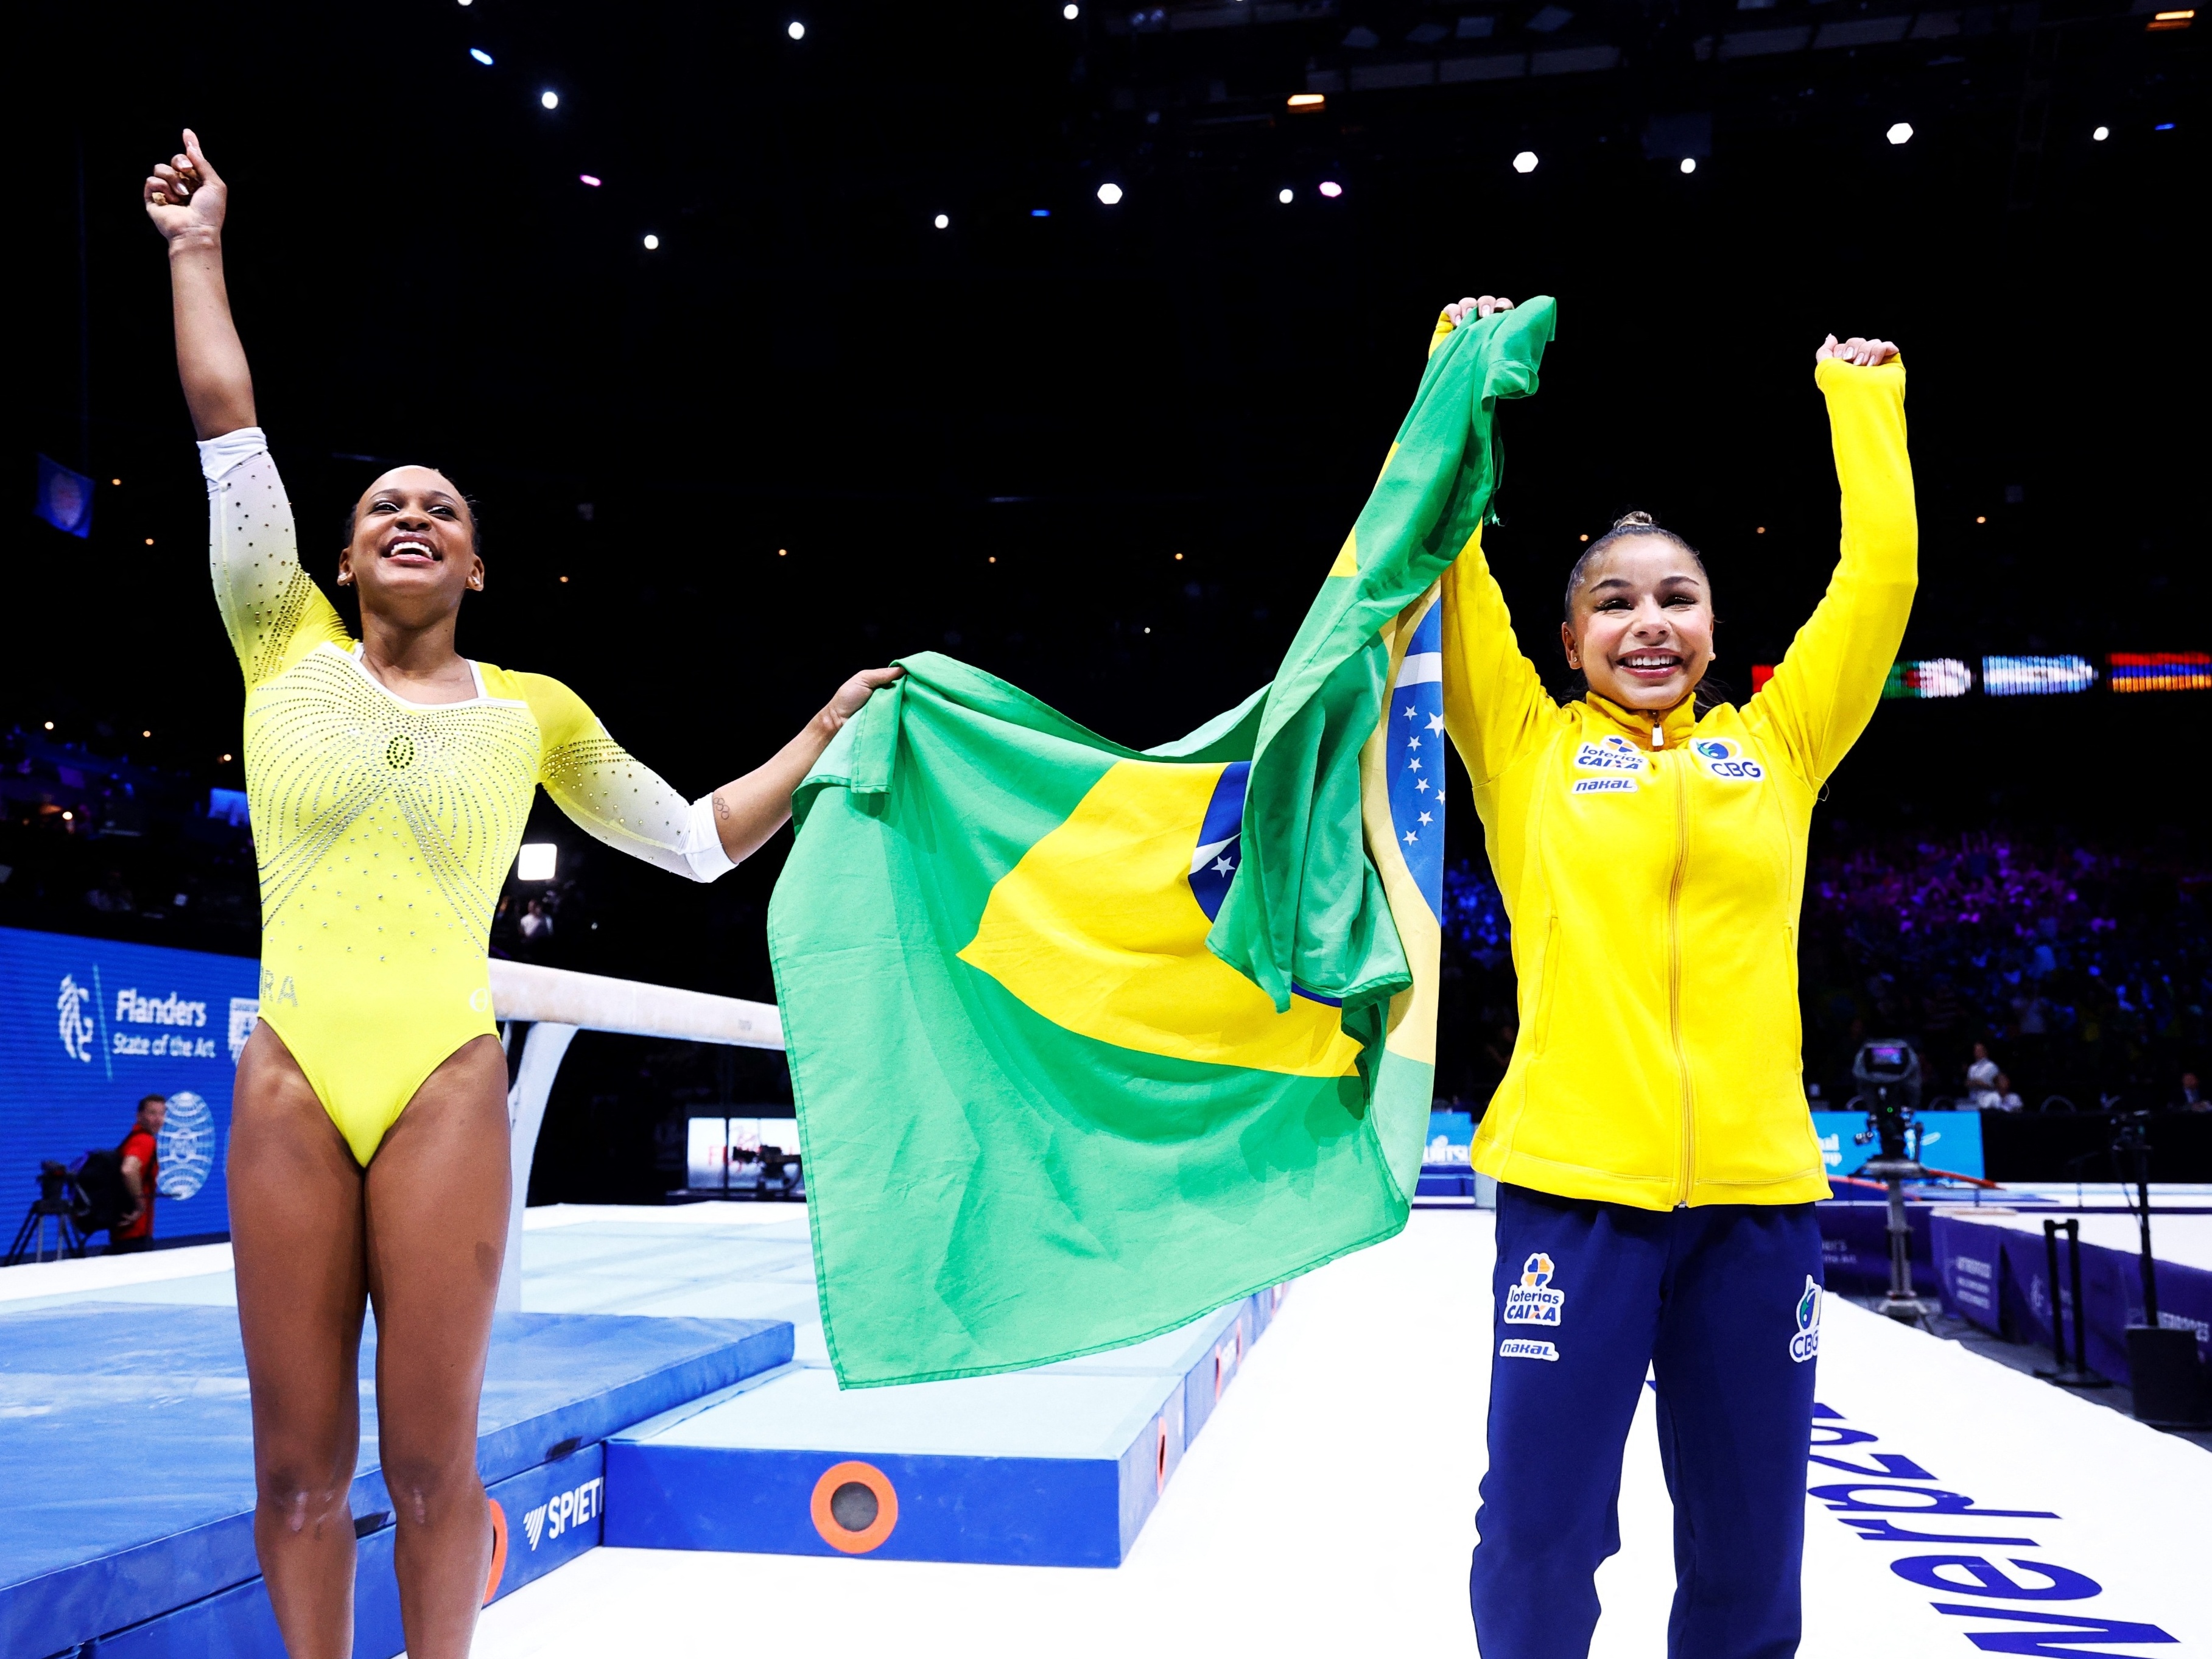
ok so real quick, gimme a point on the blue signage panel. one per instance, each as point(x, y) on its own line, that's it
point(87, 1027)
point(1451, 1137)
point(1949, 1140)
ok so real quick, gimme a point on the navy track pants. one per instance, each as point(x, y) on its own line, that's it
point(1723, 1303)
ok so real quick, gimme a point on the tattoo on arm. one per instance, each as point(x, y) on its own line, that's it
point(721, 807)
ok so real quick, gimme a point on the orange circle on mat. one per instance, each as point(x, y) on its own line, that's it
point(840, 1537)
point(498, 1549)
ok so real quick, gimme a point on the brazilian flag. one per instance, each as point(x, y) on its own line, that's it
point(1087, 1041)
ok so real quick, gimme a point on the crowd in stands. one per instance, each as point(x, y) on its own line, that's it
point(2034, 971)
point(94, 841)
point(2031, 970)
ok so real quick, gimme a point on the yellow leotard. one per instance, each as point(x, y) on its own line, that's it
point(384, 829)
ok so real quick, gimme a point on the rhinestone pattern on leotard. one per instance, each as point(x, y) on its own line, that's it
point(408, 815)
point(385, 829)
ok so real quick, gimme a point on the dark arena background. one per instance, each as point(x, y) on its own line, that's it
point(777, 342)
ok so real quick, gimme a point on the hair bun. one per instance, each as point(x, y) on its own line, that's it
point(1628, 520)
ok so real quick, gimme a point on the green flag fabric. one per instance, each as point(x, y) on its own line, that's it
point(1087, 1041)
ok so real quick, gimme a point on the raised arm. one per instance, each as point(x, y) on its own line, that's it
point(1825, 688)
point(1494, 700)
point(621, 802)
point(272, 608)
point(185, 198)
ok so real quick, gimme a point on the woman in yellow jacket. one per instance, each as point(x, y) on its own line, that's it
point(1656, 1159)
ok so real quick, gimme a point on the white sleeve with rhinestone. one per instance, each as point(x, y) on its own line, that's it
point(253, 554)
point(628, 806)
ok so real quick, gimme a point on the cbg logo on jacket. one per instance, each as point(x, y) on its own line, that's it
point(1724, 757)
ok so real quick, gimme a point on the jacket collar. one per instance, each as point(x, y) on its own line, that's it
point(1673, 727)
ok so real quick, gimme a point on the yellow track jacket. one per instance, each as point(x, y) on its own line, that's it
point(1652, 867)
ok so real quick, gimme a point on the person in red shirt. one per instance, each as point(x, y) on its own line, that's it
point(142, 1168)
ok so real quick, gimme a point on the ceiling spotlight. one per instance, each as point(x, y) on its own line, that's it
point(1689, 164)
point(943, 221)
point(795, 29)
point(1331, 189)
point(1109, 193)
point(2101, 134)
point(1308, 100)
point(1900, 134)
point(651, 243)
point(1284, 195)
point(1071, 11)
point(481, 56)
point(1525, 162)
point(589, 179)
point(551, 100)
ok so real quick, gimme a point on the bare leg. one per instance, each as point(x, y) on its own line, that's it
point(436, 1229)
point(296, 1207)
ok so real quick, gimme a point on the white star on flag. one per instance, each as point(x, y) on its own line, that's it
point(1222, 867)
point(1412, 742)
point(1436, 722)
point(1424, 817)
point(1414, 764)
point(1411, 837)
point(1421, 784)
point(1410, 711)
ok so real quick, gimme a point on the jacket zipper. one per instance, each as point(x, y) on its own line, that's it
point(1674, 977)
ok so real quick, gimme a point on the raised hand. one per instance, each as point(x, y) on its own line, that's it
point(1487, 305)
point(184, 193)
point(855, 692)
point(1864, 353)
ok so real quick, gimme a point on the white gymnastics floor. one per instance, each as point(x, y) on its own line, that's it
point(1328, 1508)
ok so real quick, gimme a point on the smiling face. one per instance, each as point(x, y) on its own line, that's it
point(1642, 628)
point(413, 552)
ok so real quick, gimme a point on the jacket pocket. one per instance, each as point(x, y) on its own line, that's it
point(1796, 1022)
point(1547, 990)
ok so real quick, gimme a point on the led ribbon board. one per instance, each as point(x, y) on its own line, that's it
point(2036, 677)
point(1936, 676)
point(2161, 671)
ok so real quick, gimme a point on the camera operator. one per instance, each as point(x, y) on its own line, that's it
point(141, 1168)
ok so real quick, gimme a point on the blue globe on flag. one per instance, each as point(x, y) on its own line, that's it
point(187, 1145)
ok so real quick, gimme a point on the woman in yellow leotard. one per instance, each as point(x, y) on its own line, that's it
point(389, 781)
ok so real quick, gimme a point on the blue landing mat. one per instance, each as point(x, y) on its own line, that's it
point(1058, 1466)
point(127, 1444)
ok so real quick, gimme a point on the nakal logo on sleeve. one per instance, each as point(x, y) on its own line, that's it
point(1806, 1342)
point(1724, 757)
point(1521, 1347)
point(1532, 1301)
